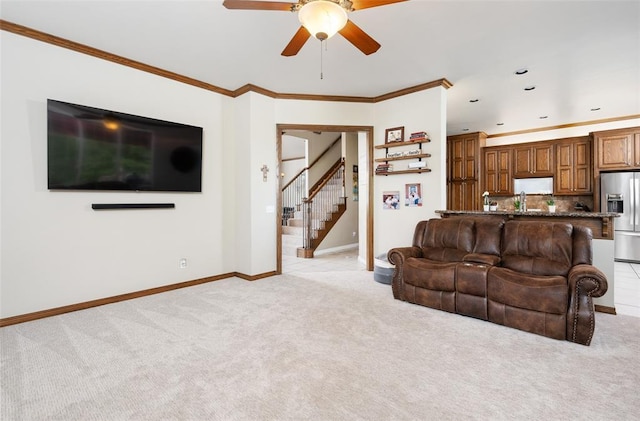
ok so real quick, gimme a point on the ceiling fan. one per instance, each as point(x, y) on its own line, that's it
point(320, 18)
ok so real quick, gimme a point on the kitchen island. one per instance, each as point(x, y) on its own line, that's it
point(601, 224)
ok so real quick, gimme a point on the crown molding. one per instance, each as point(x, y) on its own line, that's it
point(565, 126)
point(124, 61)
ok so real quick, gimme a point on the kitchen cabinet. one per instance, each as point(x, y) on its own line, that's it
point(533, 160)
point(497, 171)
point(463, 171)
point(574, 172)
point(617, 149)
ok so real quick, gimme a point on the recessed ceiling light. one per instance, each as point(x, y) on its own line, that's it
point(530, 88)
point(542, 117)
point(474, 100)
point(499, 124)
point(521, 71)
point(595, 109)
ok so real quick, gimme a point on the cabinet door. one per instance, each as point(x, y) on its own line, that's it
point(583, 170)
point(504, 180)
point(542, 160)
point(533, 161)
point(456, 196)
point(636, 149)
point(463, 158)
point(470, 158)
point(522, 162)
point(497, 167)
point(564, 183)
point(457, 159)
point(615, 151)
point(573, 168)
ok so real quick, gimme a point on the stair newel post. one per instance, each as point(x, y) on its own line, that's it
point(306, 222)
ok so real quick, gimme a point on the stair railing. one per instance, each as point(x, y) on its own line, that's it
point(296, 189)
point(322, 202)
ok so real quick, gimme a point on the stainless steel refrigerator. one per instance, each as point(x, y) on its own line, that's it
point(620, 192)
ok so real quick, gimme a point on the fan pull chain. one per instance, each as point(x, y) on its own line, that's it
point(321, 63)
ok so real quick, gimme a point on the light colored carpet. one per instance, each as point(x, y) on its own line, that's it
point(318, 346)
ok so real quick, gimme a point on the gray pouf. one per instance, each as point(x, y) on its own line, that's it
point(383, 270)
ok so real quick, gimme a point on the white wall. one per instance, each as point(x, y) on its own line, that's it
point(55, 249)
point(425, 110)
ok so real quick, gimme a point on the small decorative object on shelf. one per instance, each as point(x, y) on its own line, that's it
point(418, 137)
point(493, 206)
point(384, 168)
point(393, 135)
point(485, 203)
point(551, 203)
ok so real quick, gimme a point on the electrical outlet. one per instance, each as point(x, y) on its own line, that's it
point(354, 233)
point(182, 263)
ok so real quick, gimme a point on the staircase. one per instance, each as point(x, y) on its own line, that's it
point(311, 220)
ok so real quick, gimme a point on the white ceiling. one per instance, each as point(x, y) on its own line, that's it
point(580, 54)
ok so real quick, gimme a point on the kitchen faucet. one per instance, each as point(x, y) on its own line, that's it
point(523, 201)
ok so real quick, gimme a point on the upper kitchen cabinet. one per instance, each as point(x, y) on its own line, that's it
point(617, 149)
point(574, 172)
point(463, 170)
point(497, 171)
point(533, 160)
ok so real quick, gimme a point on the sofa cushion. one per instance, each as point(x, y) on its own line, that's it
point(448, 240)
point(538, 248)
point(488, 236)
point(428, 274)
point(546, 294)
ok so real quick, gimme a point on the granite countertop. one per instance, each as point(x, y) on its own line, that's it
point(576, 214)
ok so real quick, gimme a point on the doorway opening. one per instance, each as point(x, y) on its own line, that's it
point(358, 180)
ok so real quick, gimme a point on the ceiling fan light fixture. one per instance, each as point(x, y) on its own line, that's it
point(322, 18)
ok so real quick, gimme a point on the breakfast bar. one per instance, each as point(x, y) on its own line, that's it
point(601, 223)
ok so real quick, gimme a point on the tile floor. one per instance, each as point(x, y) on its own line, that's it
point(627, 275)
point(627, 288)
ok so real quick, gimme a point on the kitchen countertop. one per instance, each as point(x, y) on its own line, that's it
point(576, 214)
point(601, 223)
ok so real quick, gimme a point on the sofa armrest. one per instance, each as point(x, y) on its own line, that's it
point(585, 282)
point(397, 256)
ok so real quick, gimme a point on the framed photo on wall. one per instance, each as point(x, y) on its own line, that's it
point(394, 135)
point(391, 200)
point(413, 194)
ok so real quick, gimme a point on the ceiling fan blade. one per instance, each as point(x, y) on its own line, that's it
point(359, 38)
point(366, 4)
point(258, 5)
point(296, 42)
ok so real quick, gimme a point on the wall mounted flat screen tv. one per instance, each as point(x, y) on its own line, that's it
point(94, 149)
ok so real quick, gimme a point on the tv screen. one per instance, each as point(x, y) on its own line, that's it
point(94, 149)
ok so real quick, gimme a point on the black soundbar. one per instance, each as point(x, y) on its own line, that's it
point(104, 206)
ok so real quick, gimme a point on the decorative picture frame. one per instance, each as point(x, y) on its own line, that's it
point(391, 200)
point(393, 135)
point(413, 194)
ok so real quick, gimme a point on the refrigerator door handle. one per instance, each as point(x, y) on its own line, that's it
point(636, 202)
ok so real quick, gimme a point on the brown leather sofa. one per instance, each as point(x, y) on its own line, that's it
point(533, 276)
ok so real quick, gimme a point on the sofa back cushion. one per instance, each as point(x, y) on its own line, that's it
point(448, 239)
point(488, 233)
point(538, 248)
